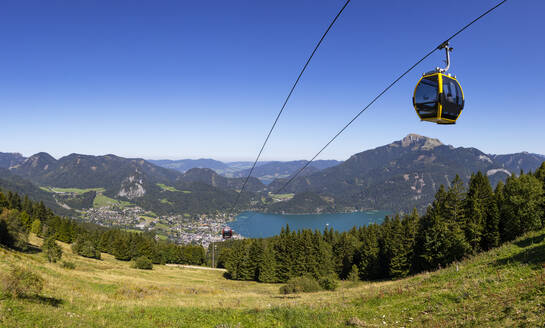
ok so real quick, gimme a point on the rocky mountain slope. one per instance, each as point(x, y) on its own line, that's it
point(403, 174)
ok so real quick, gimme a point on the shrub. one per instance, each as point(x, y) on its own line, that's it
point(22, 282)
point(300, 285)
point(328, 283)
point(52, 251)
point(68, 265)
point(143, 263)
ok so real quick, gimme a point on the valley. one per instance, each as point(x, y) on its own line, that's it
point(190, 200)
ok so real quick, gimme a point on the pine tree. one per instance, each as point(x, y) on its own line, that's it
point(354, 274)
point(64, 232)
point(267, 267)
point(453, 207)
point(499, 197)
point(344, 249)
point(540, 175)
point(52, 251)
point(27, 205)
point(121, 249)
point(36, 226)
point(368, 254)
point(395, 251)
point(255, 258)
point(481, 228)
point(411, 224)
point(523, 205)
point(440, 243)
point(441, 239)
point(283, 250)
point(322, 256)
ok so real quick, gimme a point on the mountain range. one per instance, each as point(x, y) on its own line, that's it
point(398, 176)
point(265, 171)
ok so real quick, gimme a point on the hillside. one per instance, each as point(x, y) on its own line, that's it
point(14, 183)
point(504, 287)
point(154, 188)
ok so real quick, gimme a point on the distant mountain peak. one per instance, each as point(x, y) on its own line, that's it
point(40, 159)
point(417, 141)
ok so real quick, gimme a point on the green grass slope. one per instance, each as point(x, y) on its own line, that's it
point(501, 288)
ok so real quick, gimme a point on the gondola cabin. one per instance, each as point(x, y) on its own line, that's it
point(226, 233)
point(438, 98)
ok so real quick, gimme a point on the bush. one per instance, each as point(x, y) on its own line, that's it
point(300, 285)
point(22, 282)
point(52, 251)
point(328, 283)
point(143, 263)
point(68, 265)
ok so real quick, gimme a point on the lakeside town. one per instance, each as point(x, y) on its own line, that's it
point(200, 229)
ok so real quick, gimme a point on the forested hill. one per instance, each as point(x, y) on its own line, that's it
point(460, 222)
point(137, 181)
point(403, 174)
point(16, 184)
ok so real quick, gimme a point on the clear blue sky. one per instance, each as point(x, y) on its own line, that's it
point(189, 79)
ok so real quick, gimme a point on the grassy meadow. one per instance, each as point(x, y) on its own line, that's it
point(72, 190)
point(102, 201)
point(501, 288)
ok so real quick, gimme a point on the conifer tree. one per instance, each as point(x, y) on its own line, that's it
point(441, 240)
point(396, 261)
point(410, 224)
point(344, 249)
point(267, 267)
point(255, 258)
point(36, 226)
point(121, 249)
point(52, 251)
point(354, 274)
point(368, 254)
point(322, 256)
point(523, 205)
point(479, 212)
point(453, 207)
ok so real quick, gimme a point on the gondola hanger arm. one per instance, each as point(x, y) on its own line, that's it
point(445, 45)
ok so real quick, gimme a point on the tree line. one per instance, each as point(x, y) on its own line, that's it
point(461, 221)
point(20, 216)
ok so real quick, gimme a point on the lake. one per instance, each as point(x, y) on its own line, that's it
point(260, 225)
